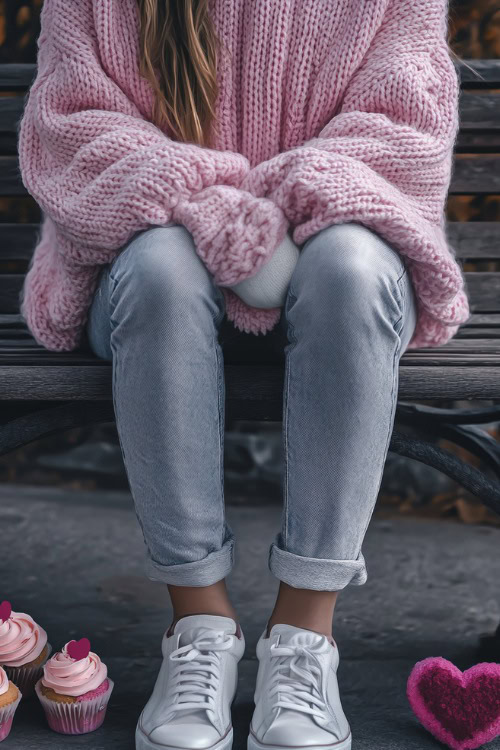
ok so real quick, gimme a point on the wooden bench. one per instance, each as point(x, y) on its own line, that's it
point(43, 392)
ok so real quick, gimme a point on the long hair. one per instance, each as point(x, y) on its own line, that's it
point(179, 52)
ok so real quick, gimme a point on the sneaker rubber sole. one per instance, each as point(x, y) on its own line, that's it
point(254, 744)
point(142, 742)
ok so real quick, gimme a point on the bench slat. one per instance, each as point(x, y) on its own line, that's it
point(491, 320)
point(483, 288)
point(19, 76)
point(26, 347)
point(11, 108)
point(478, 333)
point(477, 173)
point(477, 112)
point(474, 141)
point(10, 286)
point(17, 241)
point(489, 70)
point(16, 76)
point(10, 178)
point(477, 240)
point(474, 239)
point(258, 387)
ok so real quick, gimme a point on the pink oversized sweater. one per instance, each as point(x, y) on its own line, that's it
point(329, 111)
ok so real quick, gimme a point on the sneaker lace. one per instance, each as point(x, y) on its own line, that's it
point(196, 672)
point(301, 686)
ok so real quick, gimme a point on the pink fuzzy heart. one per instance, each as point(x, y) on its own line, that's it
point(461, 709)
point(5, 611)
point(78, 649)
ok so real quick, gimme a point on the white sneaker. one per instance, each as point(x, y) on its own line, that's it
point(297, 702)
point(190, 706)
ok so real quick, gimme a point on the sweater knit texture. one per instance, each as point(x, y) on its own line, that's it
point(329, 111)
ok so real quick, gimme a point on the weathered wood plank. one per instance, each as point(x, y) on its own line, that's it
point(485, 73)
point(479, 173)
point(478, 321)
point(491, 320)
point(478, 333)
point(10, 287)
point(471, 141)
point(34, 383)
point(12, 320)
point(11, 108)
point(468, 346)
point(483, 288)
point(16, 77)
point(10, 178)
point(474, 240)
point(28, 348)
point(252, 389)
point(17, 241)
point(19, 76)
point(478, 112)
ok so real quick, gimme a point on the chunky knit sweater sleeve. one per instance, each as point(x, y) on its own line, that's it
point(101, 170)
point(385, 159)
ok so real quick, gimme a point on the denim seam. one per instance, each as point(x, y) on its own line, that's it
point(293, 340)
point(221, 427)
point(217, 320)
point(389, 432)
point(113, 372)
point(401, 301)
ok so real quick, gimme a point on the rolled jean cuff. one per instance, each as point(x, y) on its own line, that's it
point(315, 573)
point(211, 569)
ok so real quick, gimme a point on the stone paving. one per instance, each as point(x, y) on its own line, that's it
point(74, 561)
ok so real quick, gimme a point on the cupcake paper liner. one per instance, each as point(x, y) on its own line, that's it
point(75, 718)
point(25, 678)
point(7, 717)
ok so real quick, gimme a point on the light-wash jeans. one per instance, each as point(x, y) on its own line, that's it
point(349, 314)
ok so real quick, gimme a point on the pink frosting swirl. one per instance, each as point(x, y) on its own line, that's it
point(4, 681)
point(68, 676)
point(21, 640)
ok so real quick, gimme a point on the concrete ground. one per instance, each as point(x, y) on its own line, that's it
point(74, 561)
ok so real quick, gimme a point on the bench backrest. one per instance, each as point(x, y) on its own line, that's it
point(476, 173)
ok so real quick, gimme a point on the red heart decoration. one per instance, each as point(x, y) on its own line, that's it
point(5, 611)
point(461, 709)
point(78, 649)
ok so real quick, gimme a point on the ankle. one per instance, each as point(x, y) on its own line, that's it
point(304, 608)
point(306, 624)
point(201, 600)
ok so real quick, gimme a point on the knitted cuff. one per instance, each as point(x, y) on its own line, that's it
point(250, 319)
point(234, 232)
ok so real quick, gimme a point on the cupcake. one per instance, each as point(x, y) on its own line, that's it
point(23, 648)
point(10, 695)
point(75, 689)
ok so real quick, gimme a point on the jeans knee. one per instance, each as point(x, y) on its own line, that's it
point(161, 265)
point(349, 261)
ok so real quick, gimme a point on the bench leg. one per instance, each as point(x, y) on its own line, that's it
point(37, 420)
point(468, 476)
point(458, 426)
